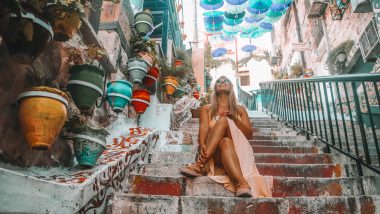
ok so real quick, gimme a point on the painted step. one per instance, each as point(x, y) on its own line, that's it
point(281, 142)
point(284, 149)
point(157, 185)
point(307, 170)
point(284, 187)
point(283, 137)
point(173, 157)
point(125, 203)
point(216, 205)
point(294, 158)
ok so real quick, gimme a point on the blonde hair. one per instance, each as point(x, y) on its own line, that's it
point(233, 104)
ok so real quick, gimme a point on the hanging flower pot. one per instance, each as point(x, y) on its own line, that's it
point(137, 69)
point(140, 100)
point(119, 94)
point(178, 63)
point(179, 93)
point(66, 22)
point(196, 95)
point(170, 84)
point(147, 58)
point(42, 114)
point(27, 37)
point(143, 23)
point(151, 78)
point(86, 84)
point(89, 144)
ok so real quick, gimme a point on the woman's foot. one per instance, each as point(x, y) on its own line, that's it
point(243, 190)
point(193, 170)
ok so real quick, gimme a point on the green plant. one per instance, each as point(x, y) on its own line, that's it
point(182, 55)
point(296, 70)
point(345, 46)
point(85, 56)
point(141, 44)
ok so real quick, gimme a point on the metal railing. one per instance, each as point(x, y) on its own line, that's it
point(247, 99)
point(340, 111)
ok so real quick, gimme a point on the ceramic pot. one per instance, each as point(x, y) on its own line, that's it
point(196, 95)
point(143, 23)
point(119, 94)
point(179, 93)
point(136, 70)
point(65, 21)
point(86, 85)
point(148, 59)
point(27, 37)
point(140, 100)
point(178, 63)
point(42, 114)
point(151, 78)
point(89, 144)
point(170, 84)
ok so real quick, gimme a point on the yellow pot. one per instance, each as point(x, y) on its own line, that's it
point(170, 84)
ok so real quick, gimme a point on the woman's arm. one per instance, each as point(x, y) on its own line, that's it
point(203, 126)
point(243, 123)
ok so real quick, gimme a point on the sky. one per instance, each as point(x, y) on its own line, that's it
point(259, 71)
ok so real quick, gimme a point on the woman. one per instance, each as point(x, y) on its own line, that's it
point(225, 153)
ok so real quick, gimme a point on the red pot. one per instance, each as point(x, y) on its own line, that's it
point(178, 63)
point(151, 77)
point(196, 95)
point(140, 100)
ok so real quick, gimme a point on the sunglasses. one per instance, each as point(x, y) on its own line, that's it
point(219, 81)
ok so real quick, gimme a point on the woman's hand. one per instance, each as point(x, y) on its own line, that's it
point(202, 150)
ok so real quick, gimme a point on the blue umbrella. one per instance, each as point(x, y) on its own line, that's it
point(233, 22)
point(260, 4)
point(236, 2)
point(212, 7)
point(257, 11)
point(219, 52)
point(266, 26)
point(215, 19)
point(248, 48)
point(253, 19)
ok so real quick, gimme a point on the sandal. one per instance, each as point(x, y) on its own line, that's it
point(243, 190)
point(193, 170)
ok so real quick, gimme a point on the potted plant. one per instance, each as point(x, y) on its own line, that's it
point(136, 70)
point(64, 15)
point(86, 82)
point(89, 142)
point(26, 34)
point(182, 59)
point(143, 22)
point(331, 61)
point(119, 94)
point(144, 49)
point(140, 100)
point(296, 70)
point(42, 114)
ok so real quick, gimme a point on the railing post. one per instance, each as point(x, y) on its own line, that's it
point(328, 114)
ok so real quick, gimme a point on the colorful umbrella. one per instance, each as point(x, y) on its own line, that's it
point(236, 2)
point(219, 52)
point(248, 48)
point(211, 6)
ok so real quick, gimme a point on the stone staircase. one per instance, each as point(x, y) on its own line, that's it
point(305, 179)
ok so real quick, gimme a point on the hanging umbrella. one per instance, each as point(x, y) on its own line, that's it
point(248, 48)
point(256, 11)
point(248, 27)
point(260, 4)
point(251, 19)
point(234, 15)
point(211, 6)
point(267, 27)
point(211, 2)
point(288, 2)
point(219, 52)
point(229, 8)
point(214, 29)
point(236, 2)
point(213, 13)
point(245, 35)
point(213, 19)
point(233, 22)
point(256, 34)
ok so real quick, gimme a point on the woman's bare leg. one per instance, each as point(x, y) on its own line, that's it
point(220, 130)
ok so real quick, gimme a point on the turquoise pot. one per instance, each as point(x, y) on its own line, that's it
point(119, 94)
point(89, 144)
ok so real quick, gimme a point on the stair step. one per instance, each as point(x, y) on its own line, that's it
point(284, 149)
point(157, 185)
point(281, 137)
point(304, 170)
point(281, 143)
point(173, 157)
point(283, 187)
point(293, 158)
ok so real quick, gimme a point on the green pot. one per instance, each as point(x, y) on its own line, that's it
point(143, 23)
point(86, 85)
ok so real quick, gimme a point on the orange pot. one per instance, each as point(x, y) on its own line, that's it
point(170, 84)
point(140, 100)
point(178, 63)
point(42, 114)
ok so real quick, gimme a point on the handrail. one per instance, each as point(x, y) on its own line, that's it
point(341, 111)
point(249, 100)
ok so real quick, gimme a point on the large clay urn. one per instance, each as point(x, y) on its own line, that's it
point(170, 83)
point(26, 37)
point(140, 100)
point(136, 71)
point(119, 94)
point(42, 114)
point(151, 77)
point(86, 85)
point(143, 23)
point(65, 21)
point(89, 144)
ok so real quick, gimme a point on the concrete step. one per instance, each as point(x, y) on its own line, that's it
point(281, 142)
point(281, 137)
point(284, 187)
point(284, 149)
point(173, 157)
point(294, 158)
point(157, 185)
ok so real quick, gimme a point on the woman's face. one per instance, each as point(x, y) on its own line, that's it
point(222, 85)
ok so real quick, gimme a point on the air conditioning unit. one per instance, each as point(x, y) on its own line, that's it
point(361, 6)
point(317, 9)
point(369, 42)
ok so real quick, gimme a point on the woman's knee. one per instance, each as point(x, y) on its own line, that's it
point(222, 121)
point(225, 143)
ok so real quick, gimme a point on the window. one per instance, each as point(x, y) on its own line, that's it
point(244, 81)
point(318, 31)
